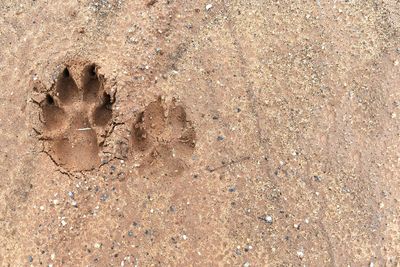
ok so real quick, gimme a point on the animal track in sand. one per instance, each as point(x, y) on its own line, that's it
point(73, 113)
point(163, 137)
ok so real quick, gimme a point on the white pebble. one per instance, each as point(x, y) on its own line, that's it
point(300, 254)
point(209, 6)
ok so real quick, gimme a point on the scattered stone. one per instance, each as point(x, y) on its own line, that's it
point(158, 50)
point(246, 264)
point(317, 178)
point(184, 237)
point(268, 219)
point(103, 197)
point(300, 254)
point(71, 194)
point(232, 189)
point(130, 233)
point(247, 248)
point(220, 138)
point(112, 169)
point(30, 258)
point(98, 245)
point(74, 203)
point(209, 6)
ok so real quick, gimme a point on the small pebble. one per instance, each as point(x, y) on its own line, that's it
point(317, 178)
point(209, 6)
point(103, 197)
point(268, 219)
point(232, 189)
point(220, 138)
point(300, 254)
point(246, 264)
point(30, 258)
point(247, 248)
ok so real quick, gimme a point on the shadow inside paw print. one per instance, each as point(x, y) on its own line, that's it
point(163, 138)
point(73, 113)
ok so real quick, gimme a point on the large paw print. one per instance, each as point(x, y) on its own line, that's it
point(74, 112)
point(163, 138)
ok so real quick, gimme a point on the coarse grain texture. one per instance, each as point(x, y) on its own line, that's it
point(199, 133)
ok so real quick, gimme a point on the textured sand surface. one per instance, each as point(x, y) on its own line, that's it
point(199, 133)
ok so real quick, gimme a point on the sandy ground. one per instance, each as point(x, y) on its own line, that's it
point(199, 133)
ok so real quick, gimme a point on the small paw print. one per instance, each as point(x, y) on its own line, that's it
point(163, 138)
point(74, 112)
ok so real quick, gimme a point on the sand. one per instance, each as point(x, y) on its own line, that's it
point(199, 133)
